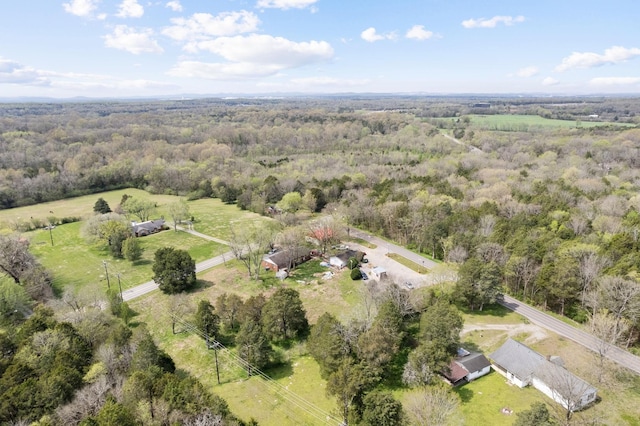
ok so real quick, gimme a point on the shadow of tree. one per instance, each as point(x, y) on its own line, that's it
point(465, 394)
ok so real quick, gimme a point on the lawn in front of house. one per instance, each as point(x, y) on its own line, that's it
point(76, 263)
point(491, 400)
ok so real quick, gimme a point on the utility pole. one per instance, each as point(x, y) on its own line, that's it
point(106, 271)
point(120, 286)
point(51, 233)
point(215, 351)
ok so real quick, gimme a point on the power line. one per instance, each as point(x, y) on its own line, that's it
point(280, 390)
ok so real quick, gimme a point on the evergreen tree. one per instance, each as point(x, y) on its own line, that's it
point(174, 270)
point(101, 206)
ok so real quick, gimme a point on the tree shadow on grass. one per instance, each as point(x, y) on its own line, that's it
point(494, 310)
point(465, 394)
point(279, 371)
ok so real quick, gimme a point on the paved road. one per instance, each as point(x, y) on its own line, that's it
point(150, 286)
point(622, 357)
point(393, 248)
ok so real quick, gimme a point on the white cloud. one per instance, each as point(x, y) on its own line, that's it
point(82, 8)
point(285, 4)
point(12, 72)
point(132, 41)
point(174, 5)
point(493, 22)
point(266, 49)
point(253, 56)
point(327, 82)
point(527, 72)
point(549, 81)
point(371, 35)
point(204, 25)
point(130, 9)
point(612, 55)
point(417, 32)
point(614, 81)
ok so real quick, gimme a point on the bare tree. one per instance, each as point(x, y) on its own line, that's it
point(486, 225)
point(178, 212)
point(249, 244)
point(86, 402)
point(492, 252)
point(293, 244)
point(398, 297)
point(180, 307)
point(432, 406)
point(610, 332)
point(15, 258)
point(522, 271)
point(570, 391)
point(590, 264)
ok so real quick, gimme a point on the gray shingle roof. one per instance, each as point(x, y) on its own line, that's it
point(474, 362)
point(518, 359)
point(525, 363)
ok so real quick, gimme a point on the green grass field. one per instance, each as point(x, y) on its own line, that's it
point(510, 123)
point(76, 263)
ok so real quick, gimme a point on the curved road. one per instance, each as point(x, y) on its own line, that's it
point(622, 357)
point(618, 355)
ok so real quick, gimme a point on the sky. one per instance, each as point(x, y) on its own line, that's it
point(142, 48)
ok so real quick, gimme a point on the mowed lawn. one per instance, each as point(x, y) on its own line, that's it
point(74, 207)
point(76, 263)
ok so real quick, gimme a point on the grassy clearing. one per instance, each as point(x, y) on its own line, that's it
point(267, 402)
point(74, 207)
point(364, 243)
point(408, 263)
point(484, 399)
point(525, 123)
point(75, 263)
point(215, 218)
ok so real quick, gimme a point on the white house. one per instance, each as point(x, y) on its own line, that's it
point(467, 366)
point(523, 366)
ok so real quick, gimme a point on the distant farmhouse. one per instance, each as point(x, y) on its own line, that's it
point(467, 366)
point(285, 259)
point(146, 228)
point(522, 366)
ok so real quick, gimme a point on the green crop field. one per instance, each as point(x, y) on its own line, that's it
point(523, 123)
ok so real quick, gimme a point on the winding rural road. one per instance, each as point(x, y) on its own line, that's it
point(620, 356)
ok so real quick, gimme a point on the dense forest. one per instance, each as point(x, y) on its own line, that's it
point(547, 213)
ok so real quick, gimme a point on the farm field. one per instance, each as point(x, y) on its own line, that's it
point(508, 123)
point(526, 123)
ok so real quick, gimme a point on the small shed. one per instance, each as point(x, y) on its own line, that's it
point(379, 272)
point(467, 366)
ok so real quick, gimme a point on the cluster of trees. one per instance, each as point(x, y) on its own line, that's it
point(362, 358)
point(85, 366)
point(252, 325)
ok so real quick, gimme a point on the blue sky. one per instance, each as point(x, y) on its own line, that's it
point(95, 48)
